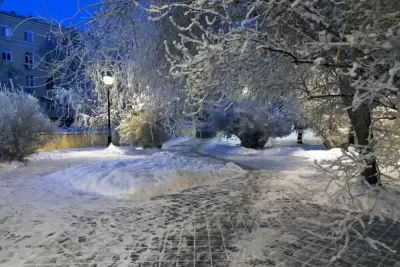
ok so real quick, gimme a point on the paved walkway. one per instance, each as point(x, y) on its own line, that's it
point(248, 221)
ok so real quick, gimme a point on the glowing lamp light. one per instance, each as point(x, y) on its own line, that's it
point(108, 80)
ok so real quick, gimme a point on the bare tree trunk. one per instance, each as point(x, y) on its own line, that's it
point(360, 119)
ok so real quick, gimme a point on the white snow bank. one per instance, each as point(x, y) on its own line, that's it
point(309, 137)
point(176, 141)
point(128, 150)
point(357, 196)
point(163, 172)
point(62, 154)
point(222, 146)
point(311, 153)
point(318, 155)
point(228, 150)
point(6, 165)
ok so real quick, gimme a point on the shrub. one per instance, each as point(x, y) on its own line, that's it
point(24, 128)
point(253, 126)
point(145, 129)
point(329, 121)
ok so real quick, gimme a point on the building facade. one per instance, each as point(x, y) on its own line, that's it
point(24, 42)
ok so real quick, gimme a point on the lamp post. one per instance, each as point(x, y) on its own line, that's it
point(108, 81)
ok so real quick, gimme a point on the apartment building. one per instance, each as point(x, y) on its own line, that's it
point(23, 42)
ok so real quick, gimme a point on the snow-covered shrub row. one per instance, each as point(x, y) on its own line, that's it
point(24, 128)
point(145, 129)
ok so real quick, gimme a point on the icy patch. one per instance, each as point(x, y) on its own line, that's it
point(159, 174)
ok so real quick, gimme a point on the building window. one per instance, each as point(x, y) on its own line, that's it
point(6, 55)
point(29, 60)
point(28, 36)
point(50, 105)
point(5, 31)
point(30, 81)
point(50, 38)
point(49, 84)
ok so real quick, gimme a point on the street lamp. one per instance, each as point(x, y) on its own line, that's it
point(108, 81)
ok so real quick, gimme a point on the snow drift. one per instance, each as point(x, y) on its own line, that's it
point(222, 146)
point(129, 150)
point(155, 175)
point(226, 146)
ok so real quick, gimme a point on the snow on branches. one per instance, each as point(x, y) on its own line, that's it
point(220, 53)
point(274, 47)
point(119, 40)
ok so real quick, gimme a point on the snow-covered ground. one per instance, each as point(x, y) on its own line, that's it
point(231, 146)
point(309, 138)
point(154, 175)
point(125, 171)
point(54, 209)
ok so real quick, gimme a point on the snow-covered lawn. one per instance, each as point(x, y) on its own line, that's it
point(202, 210)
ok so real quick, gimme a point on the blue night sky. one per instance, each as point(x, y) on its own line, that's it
point(54, 9)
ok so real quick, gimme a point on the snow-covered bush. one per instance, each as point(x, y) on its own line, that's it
point(361, 50)
point(330, 123)
point(328, 120)
point(145, 129)
point(323, 109)
point(24, 128)
point(253, 126)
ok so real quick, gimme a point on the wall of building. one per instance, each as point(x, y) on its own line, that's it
point(76, 140)
point(19, 46)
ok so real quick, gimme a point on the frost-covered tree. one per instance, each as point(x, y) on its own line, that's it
point(326, 116)
point(358, 40)
point(261, 46)
point(117, 39)
point(145, 129)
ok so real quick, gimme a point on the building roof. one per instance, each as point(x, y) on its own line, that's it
point(38, 20)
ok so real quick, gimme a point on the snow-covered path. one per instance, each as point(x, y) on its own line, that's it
point(252, 220)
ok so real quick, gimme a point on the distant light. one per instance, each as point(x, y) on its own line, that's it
point(108, 80)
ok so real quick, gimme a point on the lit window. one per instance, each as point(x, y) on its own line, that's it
point(28, 36)
point(29, 60)
point(5, 31)
point(30, 81)
point(6, 55)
